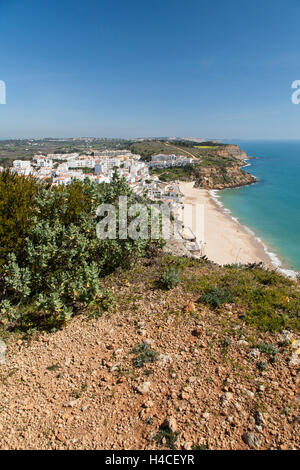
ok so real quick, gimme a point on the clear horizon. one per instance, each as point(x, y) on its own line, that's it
point(118, 70)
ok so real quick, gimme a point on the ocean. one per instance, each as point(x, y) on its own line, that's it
point(271, 207)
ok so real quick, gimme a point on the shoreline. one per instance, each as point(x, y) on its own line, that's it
point(227, 241)
point(274, 258)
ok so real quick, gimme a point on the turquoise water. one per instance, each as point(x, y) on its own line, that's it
point(272, 206)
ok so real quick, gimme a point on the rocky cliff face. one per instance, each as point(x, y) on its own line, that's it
point(216, 168)
point(222, 177)
point(222, 168)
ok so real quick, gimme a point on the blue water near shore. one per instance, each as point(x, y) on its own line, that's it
point(271, 208)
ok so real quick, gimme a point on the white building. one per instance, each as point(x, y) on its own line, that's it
point(84, 163)
point(22, 164)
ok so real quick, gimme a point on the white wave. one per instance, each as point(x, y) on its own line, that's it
point(246, 160)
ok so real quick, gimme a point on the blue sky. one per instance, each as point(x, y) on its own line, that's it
point(161, 68)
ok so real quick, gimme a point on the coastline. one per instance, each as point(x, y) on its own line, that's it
point(227, 241)
point(274, 259)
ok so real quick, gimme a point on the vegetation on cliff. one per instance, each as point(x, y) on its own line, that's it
point(148, 148)
point(54, 267)
point(58, 266)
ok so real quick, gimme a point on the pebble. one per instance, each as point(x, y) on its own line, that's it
point(143, 387)
point(118, 351)
point(254, 353)
point(148, 404)
point(251, 440)
point(259, 418)
point(2, 352)
point(171, 424)
point(197, 332)
point(164, 359)
point(286, 336)
point(70, 404)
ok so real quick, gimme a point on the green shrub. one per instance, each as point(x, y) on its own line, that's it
point(144, 354)
point(269, 300)
point(268, 349)
point(58, 266)
point(170, 278)
point(215, 297)
point(262, 365)
point(167, 438)
point(17, 207)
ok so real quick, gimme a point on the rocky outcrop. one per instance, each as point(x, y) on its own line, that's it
point(217, 167)
point(223, 177)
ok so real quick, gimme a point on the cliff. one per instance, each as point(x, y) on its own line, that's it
point(221, 177)
point(214, 167)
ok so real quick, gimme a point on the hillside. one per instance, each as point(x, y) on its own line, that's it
point(112, 343)
point(18, 149)
point(216, 165)
point(161, 368)
point(197, 150)
point(212, 172)
point(219, 173)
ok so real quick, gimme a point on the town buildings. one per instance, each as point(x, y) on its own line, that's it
point(99, 167)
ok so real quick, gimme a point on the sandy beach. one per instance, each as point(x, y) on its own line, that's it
point(225, 240)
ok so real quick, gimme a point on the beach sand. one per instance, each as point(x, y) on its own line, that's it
point(226, 240)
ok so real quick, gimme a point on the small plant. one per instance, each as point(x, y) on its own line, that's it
point(199, 447)
point(226, 342)
point(286, 411)
point(107, 300)
point(167, 437)
point(54, 367)
point(78, 393)
point(170, 278)
point(268, 349)
point(144, 355)
point(215, 297)
point(262, 365)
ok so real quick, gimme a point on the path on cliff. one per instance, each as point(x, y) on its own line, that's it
point(181, 150)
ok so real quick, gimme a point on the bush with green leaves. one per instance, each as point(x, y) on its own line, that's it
point(59, 266)
point(268, 349)
point(262, 366)
point(17, 207)
point(144, 354)
point(170, 278)
point(215, 297)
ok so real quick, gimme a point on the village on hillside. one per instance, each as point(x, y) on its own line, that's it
point(99, 168)
point(63, 168)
